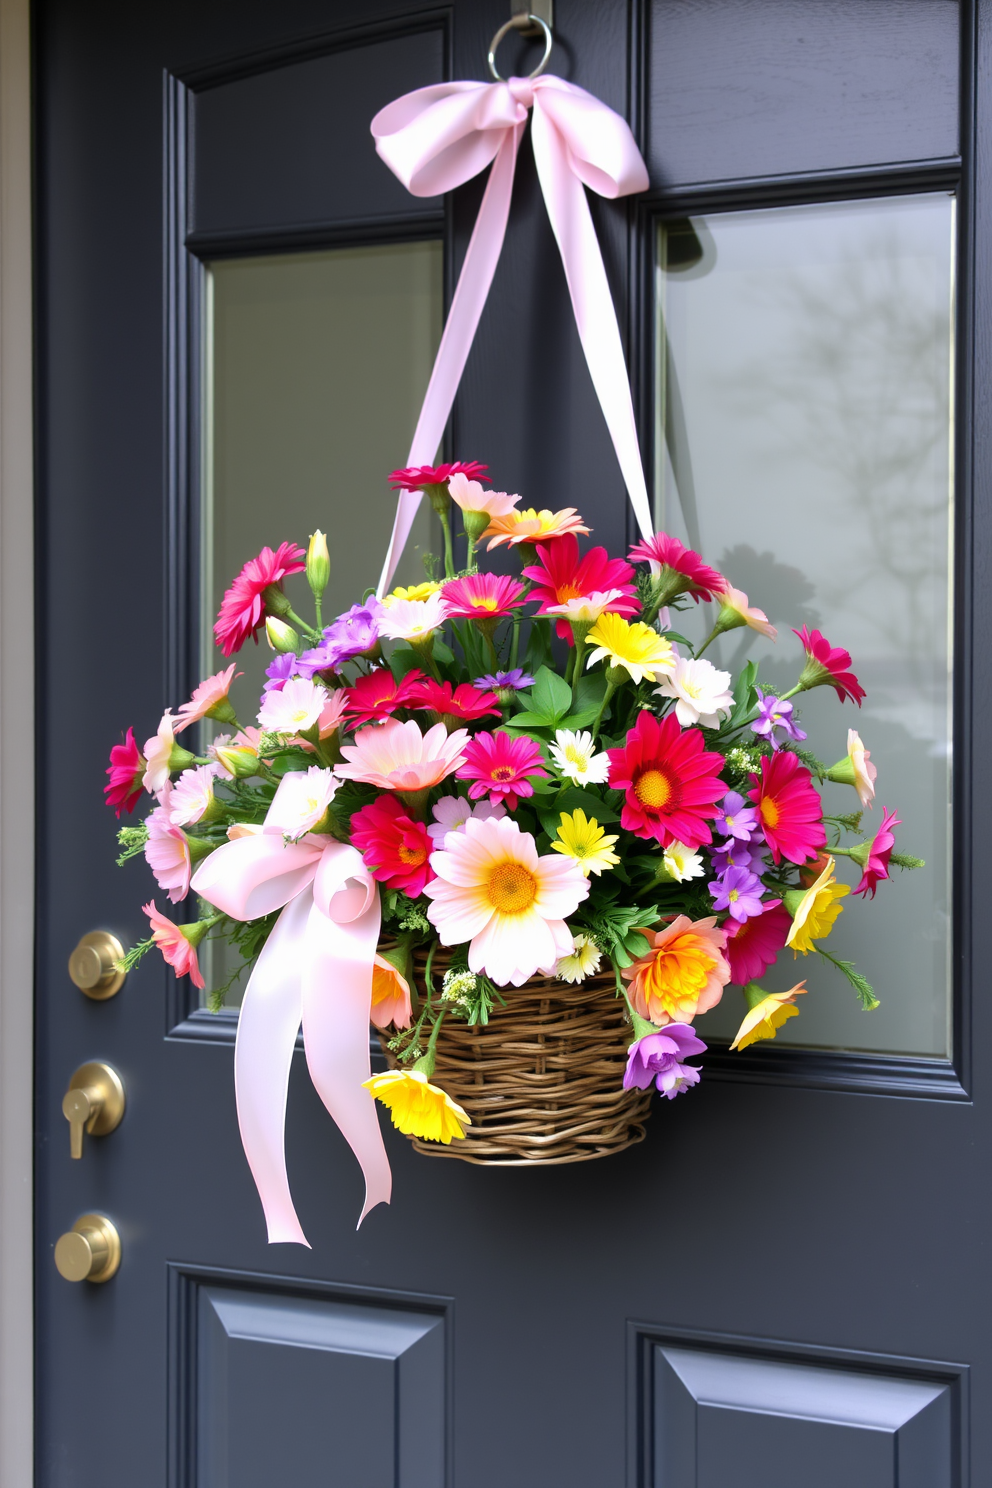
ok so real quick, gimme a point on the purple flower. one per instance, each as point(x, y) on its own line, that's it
point(514, 681)
point(739, 892)
point(774, 714)
point(736, 819)
point(351, 634)
point(659, 1056)
point(733, 854)
point(279, 670)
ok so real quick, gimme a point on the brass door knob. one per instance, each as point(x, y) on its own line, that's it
point(94, 1102)
point(92, 968)
point(90, 1251)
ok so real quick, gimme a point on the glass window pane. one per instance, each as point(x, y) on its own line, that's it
point(317, 364)
point(804, 361)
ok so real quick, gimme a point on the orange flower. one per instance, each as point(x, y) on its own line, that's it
point(390, 996)
point(684, 973)
point(530, 526)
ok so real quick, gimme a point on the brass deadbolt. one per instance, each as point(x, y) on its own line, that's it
point(90, 1251)
point(92, 968)
point(94, 1102)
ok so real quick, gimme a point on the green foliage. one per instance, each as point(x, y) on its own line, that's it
point(132, 842)
point(860, 983)
point(742, 761)
point(905, 860)
point(745, 696)
point(249, 936)
point(849, 823)
point(615, 929)
point(130, 959)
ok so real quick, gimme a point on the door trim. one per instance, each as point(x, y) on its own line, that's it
point(16, 751)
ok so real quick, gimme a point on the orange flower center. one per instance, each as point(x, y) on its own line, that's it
point(482, 602)
point(512, 888)
point(565, 592)
point(770, 813)
point(653, 789)
point(412, 856)
point(503, 773)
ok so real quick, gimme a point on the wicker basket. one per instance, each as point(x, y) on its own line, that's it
point(542, 1081)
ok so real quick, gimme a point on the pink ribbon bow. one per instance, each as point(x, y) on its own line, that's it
point(315, 967)
point(437, 138)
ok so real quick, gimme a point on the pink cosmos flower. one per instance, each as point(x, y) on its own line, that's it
point(494, 891)
point(452, 812)
point(879, 851)
point(397, 756)
point(471, 497)
point(481, 596)
point(297, 707)
point(332, 712)
point(193, 795)
point(171, 941)
point(167, 850)
point(680, 569)
point(242, 610)
point(207, 699)
point(158, 753)
point(498, 766)
point(828, 666)
point(126, 770)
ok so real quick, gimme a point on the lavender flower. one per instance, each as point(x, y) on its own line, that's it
point(739, 892)
point(734, 854)
point(658, 1057)
point(736, 819)
point(279, 670)
point(351, 634)
point(514, 681)
point(774, 714)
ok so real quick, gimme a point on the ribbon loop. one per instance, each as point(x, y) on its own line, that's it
point(436, 139)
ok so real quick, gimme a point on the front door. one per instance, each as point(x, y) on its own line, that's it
point(238, 306)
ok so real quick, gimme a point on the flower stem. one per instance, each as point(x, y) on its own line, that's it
point(717, 630)
point(301, 625)
point(610, 690)
point(449, 556)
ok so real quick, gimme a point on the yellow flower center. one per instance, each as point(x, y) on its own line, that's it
point(678, 974)
point(483, 602)
point(770, 813)
point(575, 757)
point(653, 789)
point(512, 888)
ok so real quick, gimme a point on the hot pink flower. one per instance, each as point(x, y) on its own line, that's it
point(167, 850)
point(377, 695)
point(827, 666)
point(416, 477)
point(789, 808)
point(753, 945)
point(464, 701)
point(498, 765)
point(560, 575)
point(397, 756)
point(209, 700)
point(482, 596)
point(672, 782)
point(879, 851)
point(126, 770)
point(172, 942)
point(680, 569)
point(396, 848)
point(242, 610)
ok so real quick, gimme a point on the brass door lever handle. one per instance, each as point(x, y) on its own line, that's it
point(94, 1102)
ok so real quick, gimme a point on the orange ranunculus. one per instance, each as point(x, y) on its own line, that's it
point(683, 974)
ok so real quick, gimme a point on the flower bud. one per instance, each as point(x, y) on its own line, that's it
point(318, 564)
point(282, 637)
point(238, 761)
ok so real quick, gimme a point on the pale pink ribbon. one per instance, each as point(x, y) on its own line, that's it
point(315, 967)
point(437, 138)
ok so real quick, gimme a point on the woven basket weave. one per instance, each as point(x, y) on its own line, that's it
point(542, 1081)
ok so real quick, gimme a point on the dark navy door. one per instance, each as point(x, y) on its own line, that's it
point(237, 309)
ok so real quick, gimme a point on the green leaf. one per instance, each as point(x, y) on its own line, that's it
point(573, 797)
point(590, 691)
point(744, 695)
point(636, 945)
point(551, 695)
point(579, 720)
point(403, 660)
point(526, 719)
point(442, 652)
point(538, 652)
point(673, 635)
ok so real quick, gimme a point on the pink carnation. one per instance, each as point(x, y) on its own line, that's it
point(242, 610)
point(171, 941)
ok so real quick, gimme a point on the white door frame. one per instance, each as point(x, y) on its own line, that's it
point(16, 753)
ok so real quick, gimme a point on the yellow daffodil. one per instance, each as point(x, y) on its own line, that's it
point(582, 839)
point(767, 1014)
point(582, 962)
point(814, 910)
point(641, 651)
point(412, 591)
point(417, 1107)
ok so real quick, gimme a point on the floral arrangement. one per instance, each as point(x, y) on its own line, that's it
point(541, 774)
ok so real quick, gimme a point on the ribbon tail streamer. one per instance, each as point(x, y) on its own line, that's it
point(467, 306)
point(337, 990)
point(267, 1027)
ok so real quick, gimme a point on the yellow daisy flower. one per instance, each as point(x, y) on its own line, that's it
point(582, 839)
point(412, 591)
point(641, 651)
point(767, 1016)
point(530, 526)
point(417, 1107)
point(814, 910)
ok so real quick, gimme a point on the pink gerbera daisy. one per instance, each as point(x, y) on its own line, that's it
point(678, 569)
point(126, 771)
point(789, 808)
point(464, 701)
point(209, 700)
point(498, 766)
point(396, 848)
point(481, 596)
point(873, 856)
point(377, 695)
point(671, 781)
point(171, 940)
point(828, 666)
point(397, 756)
point(242, 610)
point(471, 497)
point(753, 945)
point(419, 477)
point(560, 575)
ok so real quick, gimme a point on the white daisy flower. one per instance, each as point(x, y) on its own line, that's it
point(583, 961)
point(701, 692)
point(576, 757)
point(682, 863)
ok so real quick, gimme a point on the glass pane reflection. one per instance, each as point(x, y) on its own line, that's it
point(804, 361)
point(316, 367)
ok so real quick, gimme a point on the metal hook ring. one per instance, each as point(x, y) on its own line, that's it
point(514, 25)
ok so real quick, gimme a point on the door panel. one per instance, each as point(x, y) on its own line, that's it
point(801, 1211)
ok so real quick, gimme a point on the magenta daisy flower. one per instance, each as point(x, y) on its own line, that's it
point(242, 610)
point(498, 766)
point(877, 853)
point(419, 477)
point(828, 666)
point(483, 596)
point(679, 569)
